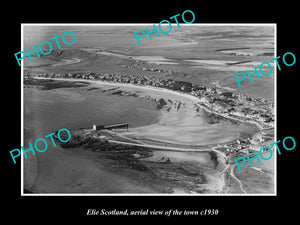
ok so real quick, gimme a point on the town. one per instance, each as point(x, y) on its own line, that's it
point(213, 99)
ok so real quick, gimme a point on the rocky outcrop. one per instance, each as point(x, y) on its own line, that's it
point(161, 103)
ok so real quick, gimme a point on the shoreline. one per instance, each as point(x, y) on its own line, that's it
point(157, 89)
point(124, 85)
point(180, 123)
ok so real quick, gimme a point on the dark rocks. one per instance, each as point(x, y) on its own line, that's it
point(161, 103)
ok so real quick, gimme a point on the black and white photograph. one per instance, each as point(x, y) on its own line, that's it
point(145, 113)
point(166, 116)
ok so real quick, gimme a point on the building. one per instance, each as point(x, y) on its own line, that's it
point(111, 127)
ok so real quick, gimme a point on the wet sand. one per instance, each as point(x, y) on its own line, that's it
point(179, 122)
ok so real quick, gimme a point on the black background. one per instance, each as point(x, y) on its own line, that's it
point(232, 209)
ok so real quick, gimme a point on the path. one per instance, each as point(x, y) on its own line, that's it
point(240, 183)
point(160, 147)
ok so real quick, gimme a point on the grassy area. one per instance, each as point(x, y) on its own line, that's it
point(255, 181)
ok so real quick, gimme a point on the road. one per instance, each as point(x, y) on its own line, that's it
point(239, 182)
point(260, 127)
point(161, 147)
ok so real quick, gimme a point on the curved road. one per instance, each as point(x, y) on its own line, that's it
point(260, 127)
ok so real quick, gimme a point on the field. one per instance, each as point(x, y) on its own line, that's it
point(180, 52)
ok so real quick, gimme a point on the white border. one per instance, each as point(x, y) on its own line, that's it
point(22, 114)
point(145, 24)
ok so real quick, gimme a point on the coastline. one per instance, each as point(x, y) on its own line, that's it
point(37, 185)
point(184, 108)
point(180, 121)
point(195, 99)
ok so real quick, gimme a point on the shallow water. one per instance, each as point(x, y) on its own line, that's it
point(68, 171)
point(72, 108)
point(74, 171)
